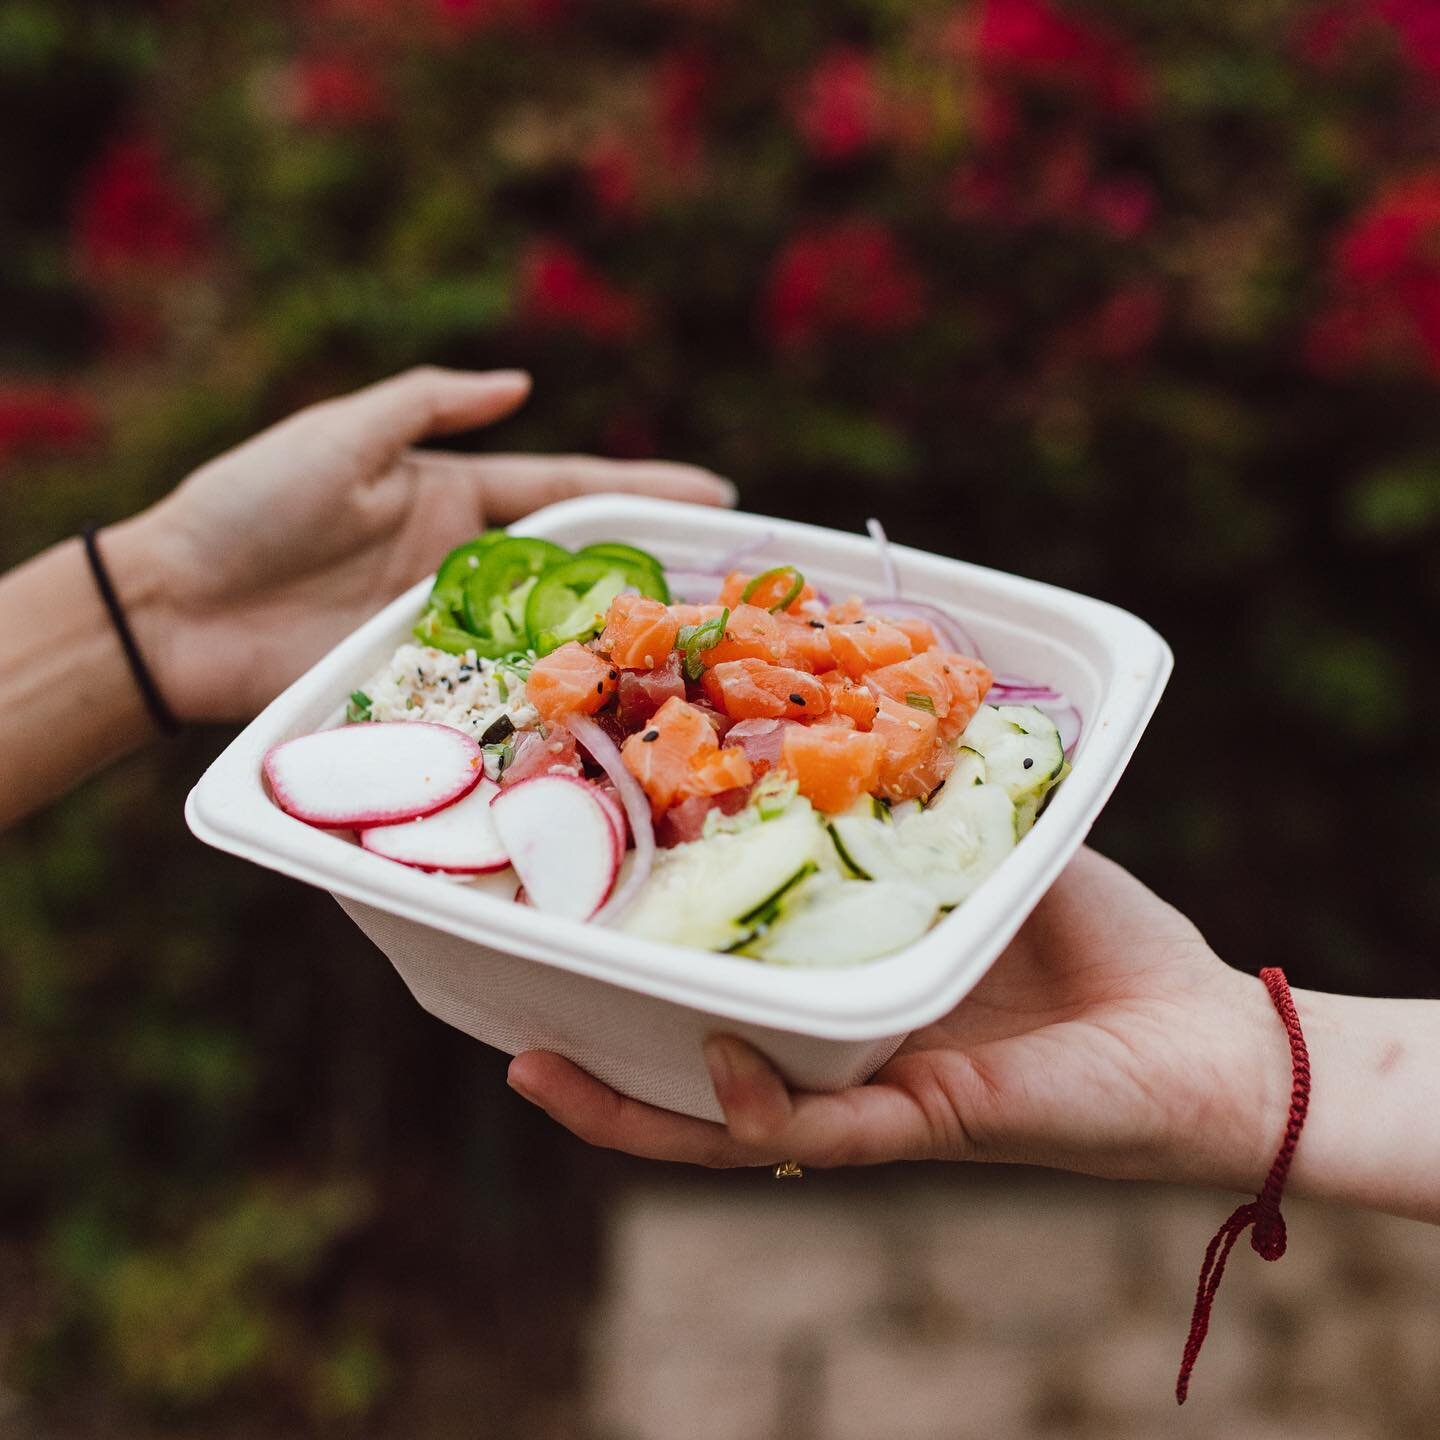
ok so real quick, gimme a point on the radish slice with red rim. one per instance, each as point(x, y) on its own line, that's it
point(359, 776)
point(460, 839)
point(561, 841)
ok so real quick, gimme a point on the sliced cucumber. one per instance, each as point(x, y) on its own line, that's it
point(950, 850)
point(905, 810)
point(845, 922)
point(719, 892)
point(867, 848)
point(1021, 749)
point(970, 770)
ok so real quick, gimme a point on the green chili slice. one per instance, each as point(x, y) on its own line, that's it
point(791, 595)
point(694, 640)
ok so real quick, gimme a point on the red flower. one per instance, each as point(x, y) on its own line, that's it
point(560, 291)
point(131, 216)
point(336, 91)
point(850, 276)
point(612, 176)
point(683, 81)
point(467, 16)
point(838, 112)
point(1123, 205)
point(37, 417)
point(1032, 41)
point(1385, 283)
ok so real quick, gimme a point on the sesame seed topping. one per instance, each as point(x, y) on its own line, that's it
point(797, 699)
point(650, 735)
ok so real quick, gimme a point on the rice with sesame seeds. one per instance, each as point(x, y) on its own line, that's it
point(469, 694)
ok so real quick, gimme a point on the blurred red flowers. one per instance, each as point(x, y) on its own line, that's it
point(1385, 283)
point(336, 92)
point(559, 290)
point(839, 108)
point(35, 417)
point(851, 276)
point(132, 215)
point(1033, 41)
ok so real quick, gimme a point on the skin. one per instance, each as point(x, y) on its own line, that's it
point(1108, 1039)
point(261, 560)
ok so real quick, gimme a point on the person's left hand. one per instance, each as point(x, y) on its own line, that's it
point(265, 557)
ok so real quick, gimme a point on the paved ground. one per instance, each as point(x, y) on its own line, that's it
point(997, 1306)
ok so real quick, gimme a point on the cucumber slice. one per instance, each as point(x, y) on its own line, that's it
point(970, 771)
point(719, 892)
point(867, 848)
point(950, 850)
point(1021, 749)
point(846, 922)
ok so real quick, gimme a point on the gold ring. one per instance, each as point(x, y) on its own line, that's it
point(789, 1170)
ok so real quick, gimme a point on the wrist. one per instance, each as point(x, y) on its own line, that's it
point(139, 560)
point(1239, 1085)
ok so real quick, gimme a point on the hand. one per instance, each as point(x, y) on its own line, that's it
point(268, 555)
point(1107, 1039)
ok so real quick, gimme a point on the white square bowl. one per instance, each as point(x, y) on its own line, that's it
point(634, 1012)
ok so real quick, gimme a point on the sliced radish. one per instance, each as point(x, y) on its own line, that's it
point(561, 841)
point(460, 839)
point(373, 774)
point(616, 813)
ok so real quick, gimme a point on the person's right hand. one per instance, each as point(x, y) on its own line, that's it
point(1109, 1038)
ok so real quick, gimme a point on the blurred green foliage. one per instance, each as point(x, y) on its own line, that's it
point(1135, 299)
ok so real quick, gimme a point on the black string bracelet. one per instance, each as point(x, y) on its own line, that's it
point(160, 712)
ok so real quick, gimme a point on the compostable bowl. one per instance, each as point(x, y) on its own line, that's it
point(634, 1012)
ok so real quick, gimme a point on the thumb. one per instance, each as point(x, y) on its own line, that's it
point(429, 401)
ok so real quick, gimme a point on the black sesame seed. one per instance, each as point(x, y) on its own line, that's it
point(614, 674)
point(599, 687)
point(817, 624)
point(797, 699)
point(1028, 762)
point(650, 735)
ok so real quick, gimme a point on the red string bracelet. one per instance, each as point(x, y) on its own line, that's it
point(1263, 1212)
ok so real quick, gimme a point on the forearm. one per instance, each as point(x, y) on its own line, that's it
point(1372, 1134)
point(69, 704)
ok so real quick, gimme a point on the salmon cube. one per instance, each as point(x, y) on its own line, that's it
point(570, 681)
point(833, 767)
point(639, 632)
point(865, 645)
point(752, 690)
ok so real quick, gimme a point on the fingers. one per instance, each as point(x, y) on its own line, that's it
point(864, 1125)
point(430, 401)
point(765, 1123)
point(514, 485)
point(600, 1116)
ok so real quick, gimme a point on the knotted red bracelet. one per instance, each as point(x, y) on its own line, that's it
point(1263, 1212)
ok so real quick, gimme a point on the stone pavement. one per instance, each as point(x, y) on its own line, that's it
point(923, 1305)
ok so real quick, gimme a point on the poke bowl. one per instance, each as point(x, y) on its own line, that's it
point(659, 812)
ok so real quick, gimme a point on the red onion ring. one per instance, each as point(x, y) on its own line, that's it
point(887, 560)
point(954, 636)
point(606, 755)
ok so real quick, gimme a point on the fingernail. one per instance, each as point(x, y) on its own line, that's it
point(729, 490)
point(510, 377)
point(521, 1089)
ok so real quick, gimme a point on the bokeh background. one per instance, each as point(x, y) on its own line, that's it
point(1143, 300)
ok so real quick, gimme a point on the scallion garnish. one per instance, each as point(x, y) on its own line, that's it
point(358, 710)
point(920, 702)
point(694, 640)
point(791, 595)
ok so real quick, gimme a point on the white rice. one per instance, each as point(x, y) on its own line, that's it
point(469, 694)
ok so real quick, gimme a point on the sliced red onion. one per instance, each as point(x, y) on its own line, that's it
point(735, 559)
point(606, 754)
point(951, 633)
point(887, 560)
point(1069, 722)
point(1005, 693)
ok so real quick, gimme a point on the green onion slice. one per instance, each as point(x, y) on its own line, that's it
point(791, 595)
point(920, 702)
point(694, 640)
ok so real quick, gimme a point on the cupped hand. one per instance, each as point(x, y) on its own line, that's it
point(1107, 1039)
point(265, 557)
